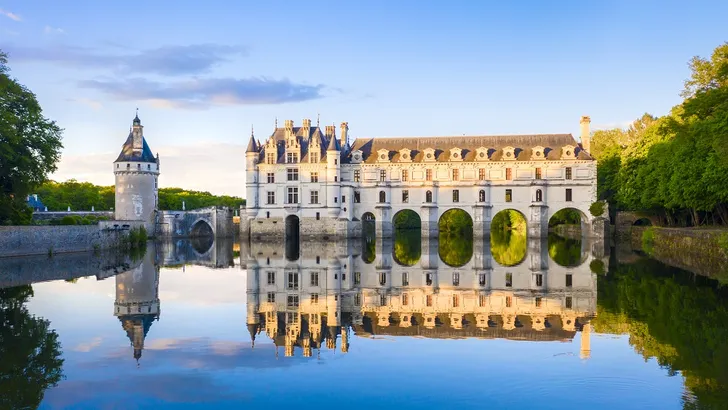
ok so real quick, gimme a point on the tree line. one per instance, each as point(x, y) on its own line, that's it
point(82, 196)
point(674, 166)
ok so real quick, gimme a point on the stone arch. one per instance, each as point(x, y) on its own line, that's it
point(201, 245)
point(200, 228)
point(455, 244)
point(642, 222)
point(571, 212)
point(293, 226)
point(509, 237)
point(291, 239)
point(407, 248)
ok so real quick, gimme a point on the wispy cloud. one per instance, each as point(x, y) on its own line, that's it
point(88, 346)
point(10, 15)
point(204, 92)
point(166, 60)
point(53, 30)
point(93, 104)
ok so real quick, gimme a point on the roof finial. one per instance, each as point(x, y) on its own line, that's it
point(276, 122)
point(318, 119)
point(252, 131)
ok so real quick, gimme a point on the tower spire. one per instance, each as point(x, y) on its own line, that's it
point(276, 122)
point(318, 119)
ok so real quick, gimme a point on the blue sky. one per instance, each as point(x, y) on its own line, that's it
point(202, 74)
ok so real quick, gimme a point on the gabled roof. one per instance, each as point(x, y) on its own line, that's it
point(523, 145)
point(128, 154)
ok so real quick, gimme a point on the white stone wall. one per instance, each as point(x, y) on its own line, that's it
point(136, 192)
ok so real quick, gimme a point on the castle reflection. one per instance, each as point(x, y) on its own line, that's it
point(306, 295)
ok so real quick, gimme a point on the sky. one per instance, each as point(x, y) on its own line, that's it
point(203, 74)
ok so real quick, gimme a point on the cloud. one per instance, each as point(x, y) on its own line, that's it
point(166, 60)
point(88, 346)
point(93, 104)
point(53, 30)
point(203, 92)
point(11, 16)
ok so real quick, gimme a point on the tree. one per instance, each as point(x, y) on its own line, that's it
point(707, 74)
point(30, 147)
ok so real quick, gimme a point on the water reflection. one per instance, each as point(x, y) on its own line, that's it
point(566, 251)
point(407, 246)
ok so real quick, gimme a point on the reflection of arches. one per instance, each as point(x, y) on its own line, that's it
point(406, 219)
point(202, 244)
point(368, 217)
point(456, 237)
point(567, 252)
point(455, 220)
point(291, 238)
point(575, 222)
point(508, 237)
point(428, 197)
point(407, 248)
point(201, 228)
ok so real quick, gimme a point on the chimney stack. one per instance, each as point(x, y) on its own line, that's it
point(344, 135)
point(289, 128)
point(306, 127)
point(585, 133)
point(330, 131)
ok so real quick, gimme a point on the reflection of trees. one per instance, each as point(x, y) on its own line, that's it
point(455, 221)
point(564, 251)
point(508, 237)
point(669, 315)
point(456, 250)
point(30, 352)
point(407, 246)
point(369, 242)
point(406, 219)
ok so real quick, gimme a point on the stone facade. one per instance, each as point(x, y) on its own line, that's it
point(328, 185)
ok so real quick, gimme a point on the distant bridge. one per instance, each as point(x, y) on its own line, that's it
point(214, 221)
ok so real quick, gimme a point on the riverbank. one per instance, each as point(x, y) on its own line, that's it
point(702, 251)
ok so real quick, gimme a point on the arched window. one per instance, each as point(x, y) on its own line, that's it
point(481, 196)
point(428, 196)
point(539, 195)
point(382, 197)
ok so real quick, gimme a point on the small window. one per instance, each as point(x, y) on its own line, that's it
point(405, 175)
point(509, 174)
point(568, 302)
point(569, 280)
point(382, 175)
point(539, 302)
point(314, 279)
point(318, 259)
point(509, 280)
point(539, 195)
point(481, 174)
point(336, 199)
point(509, 195)
point(149, 167)
point(509, 301)
point(314, 177)
point(428, 175)
point(318, 216)
point(128, 166)
point(455, 195)
point(405, 299)
point(336, 161)
point(271, 178)
point(428, 300)
point(405, 279)
point(357, 197)
point(428, 197)
point(481, 196)
point(271, 297)
point(382, 197)
point(568, 172)
point(292, 174)
point(382, 278)
point(568, 194)
point(538, 173)
point(139, 166)
point(456, 174)
point(456, 279)
point(357, 278)
point(539, 279)
point(314, 298)
point(481, 279)
point(267, 215)
point(405, 196)
point(271, 278)
point(357, 175)
point(428, 279)
point(336, 178)
point(455, 301)
point(314, 197)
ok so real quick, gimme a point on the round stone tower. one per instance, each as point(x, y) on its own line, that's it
point(136, 171)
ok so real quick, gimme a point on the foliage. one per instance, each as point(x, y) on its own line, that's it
point(648, 240)
point(30, 146)
point(723, 243)
point(508, 220)
point(597, 209)
point(673, 316)
point(138, 237)
point(406, 219)
point(407, 246)
point(597, 266)
point(455, 250)
point(82, 196)
point(30, 350)
point(369, 242)
point(673, 166)
point(68, 220)
point(564, 251)
point(455, 222)
point(566, 216)
point(508, 237)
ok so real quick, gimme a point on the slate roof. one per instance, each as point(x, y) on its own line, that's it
point(523, 145)
point(127, 152)
point(315, 132)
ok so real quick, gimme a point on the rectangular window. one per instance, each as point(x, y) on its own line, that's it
point(481, 300)
point(271, 178)
point(405, 299)
point(382, 175)
point(270, 158)
point(568, 172)
point(292, 157)
point(509, 301)
point(509, 280)
point(314, 298)
point(456, 174)
point(456, 195)
point(336, 199)
point(568, 194)
point(357, 278)
point(357, 175)
point(455, 279)
point(314, 279)
point(428, 175)
point(343, 199)
point(357, 197)
point(568, 302)
point(382, 300)
point(357, 299)
point(455, 301)
point(405, 196)
point(481, 174)
point(382, 278)
point(271, 297)
point(292, 195)
point(405, 279)
point(314, 197)
point(292, 174)
point(314, 177)
point(569, 280)
point(405, 175)
point(539, 302)
point(428, 300)
point(292, 302)
point(271, 198)
point(539, 279)
point(318, 216)
point(313, 157)
point(538, 173)
point(509, 195)
point(509, 174)
point(292, 281)
point(481, 279)
point(271, 278)
point(428, 279)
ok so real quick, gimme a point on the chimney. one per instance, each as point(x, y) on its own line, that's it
point(585, 133)
point(137, 142)
point(289, 128)
point(344, 134)
point(330, 131)
point(306, 128)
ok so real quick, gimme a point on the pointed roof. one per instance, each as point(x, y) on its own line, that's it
point(128, 155)
point(252, 145)
point(333, 145)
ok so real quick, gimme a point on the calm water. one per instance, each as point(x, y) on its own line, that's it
point(405, 323)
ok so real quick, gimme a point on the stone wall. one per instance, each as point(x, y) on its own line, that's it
point(695, 250)
point(45, 216)
point(44, 240)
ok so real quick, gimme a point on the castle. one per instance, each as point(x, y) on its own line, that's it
point(307, 180)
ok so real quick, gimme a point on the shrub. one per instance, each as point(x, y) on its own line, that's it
point(597, 209)
point(723, 243)
point(648, 240)
point(597, 266)
point(68, 220)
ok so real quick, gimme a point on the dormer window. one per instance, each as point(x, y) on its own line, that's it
point(509, 154)
point(405, 155)
point(456, 154)
point(383, 155)
point(538, 153)
point(481, 154)
point(429, 155)
point(356, 156)
point(567, 152)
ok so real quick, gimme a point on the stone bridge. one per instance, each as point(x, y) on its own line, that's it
point(214, 221)
point(625, 220)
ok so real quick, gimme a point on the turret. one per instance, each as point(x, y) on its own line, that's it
point(252, 297)
point(333, 177)
point(585, 133)
point(251, 173)
point(344, 135)
point(136, 172)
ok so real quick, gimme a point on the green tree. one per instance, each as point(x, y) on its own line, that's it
point(30, 147)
